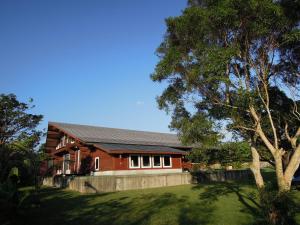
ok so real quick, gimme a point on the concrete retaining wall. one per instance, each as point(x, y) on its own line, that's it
point(96, 184)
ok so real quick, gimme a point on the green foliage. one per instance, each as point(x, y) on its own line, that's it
point(196, 130)
point(235, 61)
point(232, 153)
point(235, 152)
point(9, 199)
point(217, 56)
point(19, 138)
point(277, 208)
point(19, 158)
point(15, 120)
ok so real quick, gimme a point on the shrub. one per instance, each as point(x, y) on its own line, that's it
point(276, 208)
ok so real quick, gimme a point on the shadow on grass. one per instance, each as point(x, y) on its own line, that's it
point(247, 197)
point(201, 205)
point(65, 207)
point(246, 194)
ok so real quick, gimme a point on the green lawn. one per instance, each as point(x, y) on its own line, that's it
point(221, 203)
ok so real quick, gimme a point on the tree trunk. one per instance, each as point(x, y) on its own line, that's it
point(255, 167)
point(283, 186)
point(286, 159)
point(292, 166)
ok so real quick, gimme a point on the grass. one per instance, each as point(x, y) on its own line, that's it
point(218, 204)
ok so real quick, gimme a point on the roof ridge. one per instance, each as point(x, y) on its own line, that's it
point(123, 129)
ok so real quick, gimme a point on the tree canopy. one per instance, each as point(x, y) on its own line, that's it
point(236, 60)
point(19, 137)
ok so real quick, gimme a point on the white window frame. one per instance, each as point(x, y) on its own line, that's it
point(78, 160)
point(153, 165)
point(139, 162)
point(150, 161)
point(97, 158)
point(66, 161)
point(163, 157)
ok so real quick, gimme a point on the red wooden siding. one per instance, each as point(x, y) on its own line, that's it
point(106, 160)
point(122, 163)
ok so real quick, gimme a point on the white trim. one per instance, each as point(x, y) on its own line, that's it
point(139, 162)
point(78, 160)
point(160, 165)
point(137, 172)
point(97, 158)
point(142, 161)
point(163, 157)
point(66, 160)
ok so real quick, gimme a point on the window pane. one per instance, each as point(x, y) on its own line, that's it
point(134, 161)
point(156, 160)
point(67, 157)
point(97, 163)
point(167, 161)
point(146, 160)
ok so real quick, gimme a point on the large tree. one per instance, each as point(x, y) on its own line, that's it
point(237, 61)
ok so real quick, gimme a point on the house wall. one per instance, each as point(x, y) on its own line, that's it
point(122, 163)
point(106, 160)
point(119, 162)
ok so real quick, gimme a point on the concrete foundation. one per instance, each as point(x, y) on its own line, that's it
point(105, 183)
point(96, 184)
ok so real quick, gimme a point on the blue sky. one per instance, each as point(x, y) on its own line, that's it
point(86, 62)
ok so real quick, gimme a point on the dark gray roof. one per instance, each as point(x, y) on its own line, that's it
point(115, 148)
point(93, 134)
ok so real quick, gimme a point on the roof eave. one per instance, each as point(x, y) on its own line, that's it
point(145, 152)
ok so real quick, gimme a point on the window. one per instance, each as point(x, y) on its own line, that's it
point(156, 161)
point(134, 161)
point(167, 161)
point(146, 162)
point(64, 140)
point(66, 163)
point(67, 157)
point(97, 162)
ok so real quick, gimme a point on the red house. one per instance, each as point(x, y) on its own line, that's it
point(81, 149)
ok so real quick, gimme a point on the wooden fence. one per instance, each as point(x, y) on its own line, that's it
point(221, 175)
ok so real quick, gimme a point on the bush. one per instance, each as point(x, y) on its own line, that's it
point(9, 200)
point(277, 208)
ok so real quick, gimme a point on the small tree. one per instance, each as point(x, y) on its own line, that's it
point(19, 139)
point(230, 153)
point(18, 135)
